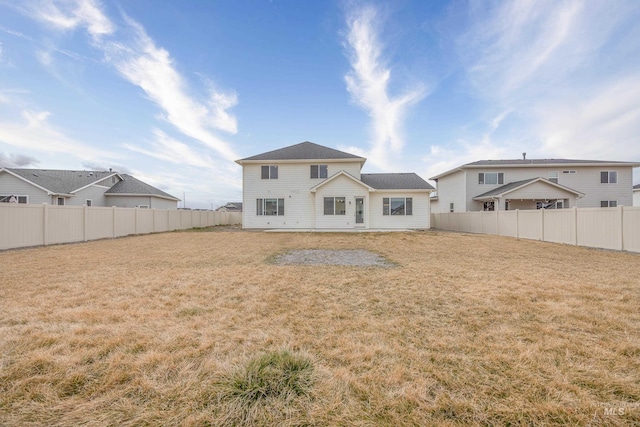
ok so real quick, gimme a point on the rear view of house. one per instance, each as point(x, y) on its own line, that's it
point(310, 186)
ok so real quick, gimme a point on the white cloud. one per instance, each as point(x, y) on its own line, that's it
point(171, 150)
point(368, 84)
point(70, 14)
point(34, 132)
point(12, 160)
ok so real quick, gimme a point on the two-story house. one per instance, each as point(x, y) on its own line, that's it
point(80, 188)
point(309, 186)
point(534, 184)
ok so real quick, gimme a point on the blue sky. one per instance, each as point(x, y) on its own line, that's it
point(173, 92)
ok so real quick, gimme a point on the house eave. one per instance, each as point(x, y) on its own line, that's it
point(142, 195)
point(242, 162)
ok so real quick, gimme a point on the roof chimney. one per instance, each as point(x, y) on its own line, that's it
point(524, 156)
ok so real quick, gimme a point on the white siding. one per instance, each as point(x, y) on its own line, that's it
point(451, 189)
point(10, 185)
point(636, 198)
point(421, 211)
point(341, 187)
point(586, 180)
point(293, 185)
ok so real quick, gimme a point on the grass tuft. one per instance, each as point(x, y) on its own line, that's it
point(267, 388)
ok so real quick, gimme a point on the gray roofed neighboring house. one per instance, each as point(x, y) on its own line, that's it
point(636, 187)
point(231, 207)
point(81, 187)
point(507, 188)
point(302, 151)
point(395, 181)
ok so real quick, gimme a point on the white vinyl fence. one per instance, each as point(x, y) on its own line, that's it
point(608, 228)
point(23, 225)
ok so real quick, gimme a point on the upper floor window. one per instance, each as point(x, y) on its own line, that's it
point(14, 199)
point(397, 206)
point(569, 171)
point(490, 178)
point(334, 206)
point(269, 172)
point(608, 177)
point(553, 176)
point(318, 171)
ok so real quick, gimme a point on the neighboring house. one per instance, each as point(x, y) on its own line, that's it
point(309, 186)
point(636, 195)
point(534, 184)
point(231, 207)
point(80, 188)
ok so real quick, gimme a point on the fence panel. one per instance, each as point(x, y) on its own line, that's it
point(631, 229)
point(161, 220)
point(560, 226)
point(608, 228)
point(99, 223)
point(600, 228)
point(21, 225)
point(144, 221)
point(66, 224)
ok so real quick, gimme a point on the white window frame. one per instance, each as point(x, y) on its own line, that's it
point(482, 178)
point(143, 206)
point(334, 205)
point(320, 171)
point(88, 202)
point(609, 203)
point(451, 207)
point(261, 206)
point(387, 203)
point(7, 198)
point(569, 172)
point(58, 199)
point(553, 176)
point(272, 172)
point(611, 177)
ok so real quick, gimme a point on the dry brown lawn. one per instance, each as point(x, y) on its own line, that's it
point(463, 330)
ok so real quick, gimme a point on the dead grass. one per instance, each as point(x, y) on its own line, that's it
point(465, 330)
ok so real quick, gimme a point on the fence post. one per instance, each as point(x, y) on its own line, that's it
point(85, 224)
point(542, 221)
point(136, 221)
point(517, 223)
point(114, 221)
point(621, 228)
point(45, 223)
point(498, 220)
point(575, 225)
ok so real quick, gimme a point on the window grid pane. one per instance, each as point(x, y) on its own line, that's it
point(323, 171)
point(341, 208)
point(314, 171)
point(385, 206)
point(328, 205)
point(409, 206)
point(397, 206)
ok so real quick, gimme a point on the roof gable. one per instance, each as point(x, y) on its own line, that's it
point(130, 186)
point(335, 176)
point(513, 186)
point(303, 151)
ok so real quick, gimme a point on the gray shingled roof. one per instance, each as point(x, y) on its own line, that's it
point(61, 181)
point(303, 151)
point(513, 185)
point(131, 185)
point(68, 181)
point(636, 187)
point(542, 162)
point(395, 181)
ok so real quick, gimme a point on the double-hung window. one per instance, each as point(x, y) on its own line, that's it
point(318, 171)
point(553, 176)
point(14, 199)
point(269, 172)
point(270, 207)
point(397, 206)
point(608, 203)
point(608, 177)
point(335, 206)
point(490, 178)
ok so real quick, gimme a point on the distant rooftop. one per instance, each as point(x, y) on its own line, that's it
point(303, 151)
point(395, 181)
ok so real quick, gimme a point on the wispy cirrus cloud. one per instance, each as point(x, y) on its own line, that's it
point(136, 57)
point(368, 84)
point(568, 71)
point(34, 131)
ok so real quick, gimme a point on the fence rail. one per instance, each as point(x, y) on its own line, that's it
point(23, 225)
point(608, 228)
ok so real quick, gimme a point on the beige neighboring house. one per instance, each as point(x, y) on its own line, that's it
point(231, 207)
point(309, 186)
point(636, 195)
point(534, 184)
point(80, 188)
